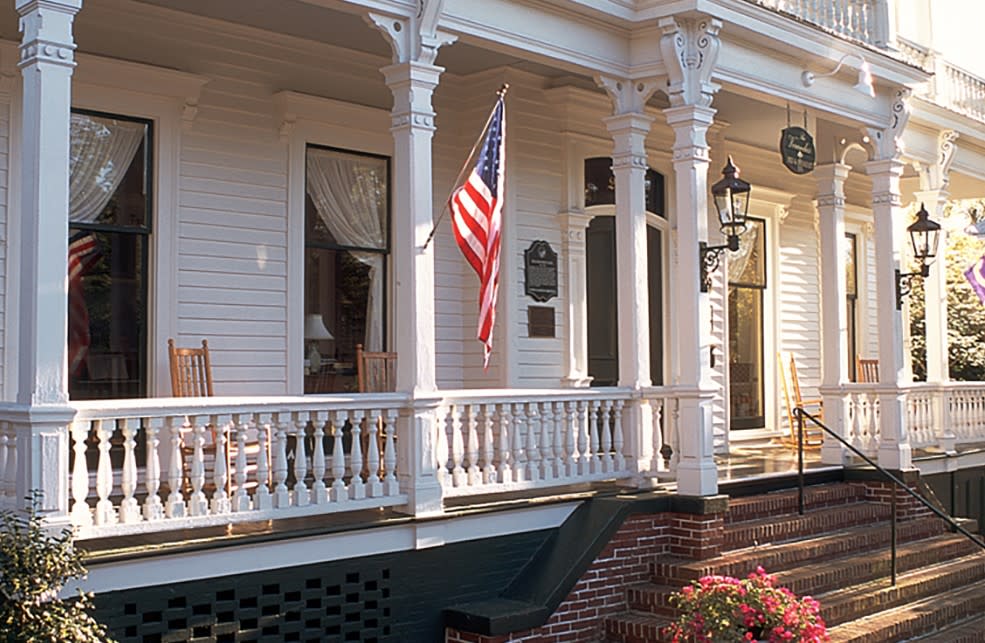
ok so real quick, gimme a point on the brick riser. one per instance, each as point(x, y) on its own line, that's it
point(782, 556)
point(788, 527)
point(785, 502)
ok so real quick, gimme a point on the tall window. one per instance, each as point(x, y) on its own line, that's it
point(109, 231)
point(746, 283)
point(347, 209)
point(851, 288)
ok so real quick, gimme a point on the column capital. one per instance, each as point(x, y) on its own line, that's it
point(831, 179)
point(412, 84)
point(690, 50)
point(690, 124)
point(47, 29)
point(891, 168)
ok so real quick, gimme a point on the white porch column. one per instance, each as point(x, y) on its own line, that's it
point(834, 311)
point(894, 445)
point(47, 60)
point(629, 127)
point(575, 225)
point(412, 79)
point(690, 49)
point(934, 194)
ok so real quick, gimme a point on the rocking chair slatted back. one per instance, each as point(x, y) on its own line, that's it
point(191, 370)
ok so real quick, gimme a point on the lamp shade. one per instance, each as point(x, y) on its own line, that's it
point(314, 327)
point(924, 235)
point(731, 200)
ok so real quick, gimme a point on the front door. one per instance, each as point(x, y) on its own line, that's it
point(746, 368)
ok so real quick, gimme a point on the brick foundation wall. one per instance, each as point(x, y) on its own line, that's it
point(628, 559)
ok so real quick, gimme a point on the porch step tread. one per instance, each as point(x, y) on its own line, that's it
point(778, 529)
point(859, 568)
point(635, 627)
point(971, 630)
point(785, 502)
point(913, 619)
point(741, 562)
point(876, 595)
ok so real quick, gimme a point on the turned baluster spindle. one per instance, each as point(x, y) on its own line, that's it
point(546, 440)
point(105, 513)
point(197, 502)
point(503, 455)
point(391, 485)
point(472, 444)
point(318, 467)
point(302, 497)
point(518, 452)
point(357, 488)
point(606, 428)
point(81, 512)
point(441, 447)
point(617, 435)
point(572, 429)
point(488, 444)
point(584, 457)
point(262, 498)
point(220, 503)
point(458, 475)
point(129, 507)
point(241, 498)
point(374, 486)
point(338, 492)
point(153, 507)
point(282, 497)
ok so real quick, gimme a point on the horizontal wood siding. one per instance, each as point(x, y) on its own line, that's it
point(4, 240)
point(799, 298)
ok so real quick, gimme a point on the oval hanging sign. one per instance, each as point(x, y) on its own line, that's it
point(797, 150)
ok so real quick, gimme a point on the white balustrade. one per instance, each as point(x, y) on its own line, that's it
point(223, 461)
point(863, 419)
point(534, 439)
point(860, 20)
point(920, 417)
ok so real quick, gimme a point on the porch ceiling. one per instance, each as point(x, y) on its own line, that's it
point(340, 29)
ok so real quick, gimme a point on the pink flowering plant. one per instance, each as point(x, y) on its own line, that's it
point(724, 609)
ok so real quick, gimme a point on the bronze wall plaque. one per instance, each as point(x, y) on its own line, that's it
point(797, 150)
point(540, 271)
point(540, 321)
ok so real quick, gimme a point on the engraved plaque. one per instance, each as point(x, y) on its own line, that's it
point(540, 321)
point(540, 271)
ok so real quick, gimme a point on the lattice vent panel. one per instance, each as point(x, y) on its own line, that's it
point(277, 606)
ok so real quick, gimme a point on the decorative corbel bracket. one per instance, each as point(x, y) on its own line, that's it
point(414, 39)
point(628, 96)
point(690, 50)
point(888, 142)
point(937, 175)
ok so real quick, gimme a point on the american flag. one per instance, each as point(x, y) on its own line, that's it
point(83, 254)
point(975, 275)
point(476, 209)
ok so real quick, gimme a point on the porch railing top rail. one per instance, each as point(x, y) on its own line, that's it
point(865, 21)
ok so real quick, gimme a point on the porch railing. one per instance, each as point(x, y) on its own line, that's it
point(937, 416)
point(151, 465)
point(866, 21)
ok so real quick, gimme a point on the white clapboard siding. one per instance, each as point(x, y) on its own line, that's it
point(799, 298)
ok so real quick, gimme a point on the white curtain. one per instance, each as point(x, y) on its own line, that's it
point(349, 193)
point(100, 154)
point(739, 260)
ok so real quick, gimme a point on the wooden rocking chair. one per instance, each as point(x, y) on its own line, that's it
point(866, 370)
point(812, 434)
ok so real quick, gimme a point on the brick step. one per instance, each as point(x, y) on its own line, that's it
point(826, 574)
point(785, 502)
point(855, 569)
point(741, 562)
point(777, 529)
point(913, 619)
point(635, 627)
point(970, 630)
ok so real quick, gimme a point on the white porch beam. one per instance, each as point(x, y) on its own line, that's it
point(834, 311)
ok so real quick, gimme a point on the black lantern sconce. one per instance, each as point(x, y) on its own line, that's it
point(732, 204)
point(924, 235)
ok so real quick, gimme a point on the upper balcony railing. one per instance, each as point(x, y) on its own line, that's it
point(865, 21)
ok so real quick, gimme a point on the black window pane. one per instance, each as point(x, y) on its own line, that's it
point(106, 315)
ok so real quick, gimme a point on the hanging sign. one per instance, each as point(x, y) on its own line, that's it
point(797, 150)
point(540, 271)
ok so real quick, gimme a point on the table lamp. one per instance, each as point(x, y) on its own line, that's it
point(314, 332)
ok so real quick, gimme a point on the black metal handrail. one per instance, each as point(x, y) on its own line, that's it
point(801, 416)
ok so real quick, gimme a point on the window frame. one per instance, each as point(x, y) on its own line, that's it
point(386, 252)
point(146, 231)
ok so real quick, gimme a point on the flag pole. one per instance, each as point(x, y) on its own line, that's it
point(501, 93)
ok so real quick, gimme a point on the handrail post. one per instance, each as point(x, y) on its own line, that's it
point(892, 534)
point(800, 460)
